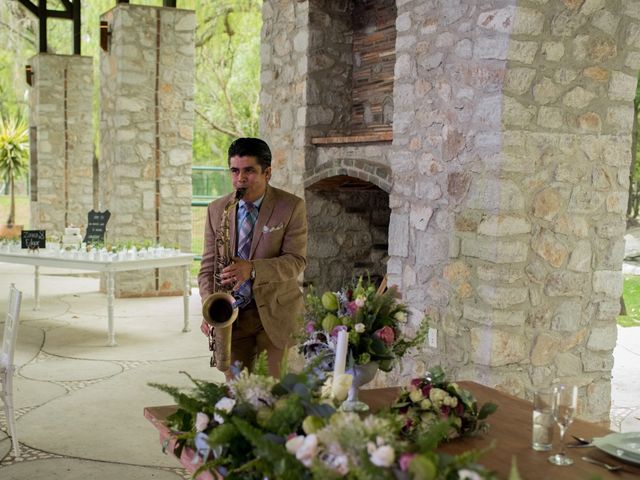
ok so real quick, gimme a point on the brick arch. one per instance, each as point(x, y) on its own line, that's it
point(378, 175)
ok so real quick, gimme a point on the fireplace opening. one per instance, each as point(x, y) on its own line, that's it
point(348, 232)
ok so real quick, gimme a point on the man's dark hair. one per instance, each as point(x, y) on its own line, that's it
point(251, 147)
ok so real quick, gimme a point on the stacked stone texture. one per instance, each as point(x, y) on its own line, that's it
point(349, 237)
point(522, 115)
point(60, 199)
point(140, 185)
point(283, 94)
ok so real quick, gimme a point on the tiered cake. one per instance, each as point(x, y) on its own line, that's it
point(71, 238)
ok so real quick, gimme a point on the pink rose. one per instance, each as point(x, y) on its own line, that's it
point(386, 334)
point(310, 327)
point(405, 461)
point(352, 308)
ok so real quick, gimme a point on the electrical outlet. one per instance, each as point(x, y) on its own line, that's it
point(433, 338)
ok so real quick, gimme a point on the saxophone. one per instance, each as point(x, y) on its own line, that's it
point(220, 308)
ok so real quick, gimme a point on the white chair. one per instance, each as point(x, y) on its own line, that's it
point(6, 363)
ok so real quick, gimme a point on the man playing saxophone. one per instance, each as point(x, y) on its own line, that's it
point(266, 231)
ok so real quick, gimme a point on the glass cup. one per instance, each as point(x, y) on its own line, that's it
point(543, 422)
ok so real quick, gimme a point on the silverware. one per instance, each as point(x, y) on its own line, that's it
point(581, 439)
point(611, 468)
point(579, 445)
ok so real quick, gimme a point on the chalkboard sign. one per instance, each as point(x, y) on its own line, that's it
point(96, 226)
point(33, 239)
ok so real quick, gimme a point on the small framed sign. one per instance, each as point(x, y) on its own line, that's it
point(96, 226)
point(33, 239)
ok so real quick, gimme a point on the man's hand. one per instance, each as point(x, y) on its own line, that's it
point(237, 273)
point(204, 327)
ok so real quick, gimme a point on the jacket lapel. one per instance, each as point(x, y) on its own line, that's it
point(265, 213)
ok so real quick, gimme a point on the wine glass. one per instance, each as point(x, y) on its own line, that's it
point(565, 403)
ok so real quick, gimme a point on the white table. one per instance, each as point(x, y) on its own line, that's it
point(46, 259)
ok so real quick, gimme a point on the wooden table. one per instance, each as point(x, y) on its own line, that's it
point(510, 431)
point(48, 259)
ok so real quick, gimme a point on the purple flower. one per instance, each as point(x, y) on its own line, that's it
point(334, 332)
point(445, 411)
point(405, 461)
point(386, 334)
point(425, 390)
point(352, 308)
point(310, 327)
point(416, 382)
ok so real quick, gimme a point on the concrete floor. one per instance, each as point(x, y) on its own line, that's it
point(79, 403)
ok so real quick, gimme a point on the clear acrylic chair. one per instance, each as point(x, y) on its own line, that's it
point(6, 363)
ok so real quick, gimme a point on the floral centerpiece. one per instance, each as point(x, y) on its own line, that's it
point(258, 427)
point(373, 320)
point(432, 399)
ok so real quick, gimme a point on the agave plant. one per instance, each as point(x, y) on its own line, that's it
point(14, 156)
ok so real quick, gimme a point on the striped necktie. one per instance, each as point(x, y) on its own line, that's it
point(245, 234)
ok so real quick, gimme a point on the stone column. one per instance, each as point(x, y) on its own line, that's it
point(512, 137)
point(146, 124)
point(283, 96)
point(61, 135)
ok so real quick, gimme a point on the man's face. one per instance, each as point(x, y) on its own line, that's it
point(247, 174)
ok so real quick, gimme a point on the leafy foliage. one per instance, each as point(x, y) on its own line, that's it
point(373, 320)
point(14, 156)
point(268, 428)
point(430, 400)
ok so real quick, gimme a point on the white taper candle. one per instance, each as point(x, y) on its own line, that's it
point(341, 354)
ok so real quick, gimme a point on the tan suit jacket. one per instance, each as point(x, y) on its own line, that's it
point(278, 253)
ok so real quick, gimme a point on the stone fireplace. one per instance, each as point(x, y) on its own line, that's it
point(349, 223)
point(506, 165)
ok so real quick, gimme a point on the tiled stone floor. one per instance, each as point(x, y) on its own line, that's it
point(79, 402)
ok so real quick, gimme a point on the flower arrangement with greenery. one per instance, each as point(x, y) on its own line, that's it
point(372, 319)
point(432, 399)
point(258, 427)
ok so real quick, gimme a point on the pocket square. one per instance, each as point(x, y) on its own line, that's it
point(268, 229)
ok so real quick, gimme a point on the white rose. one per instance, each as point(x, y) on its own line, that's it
point(359, 327)
point(425, 404)
point(468, 475)
point(360, 299)
point(202, 422)
point(341, 385)
point(341, 464)
point(401, 316)
point(294, 444)
point(308, 450)
point(383, 456)
point(416, 396)
point(225, 404)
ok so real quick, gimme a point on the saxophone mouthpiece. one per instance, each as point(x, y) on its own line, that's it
point(240, 193)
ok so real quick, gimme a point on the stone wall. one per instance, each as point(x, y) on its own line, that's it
point(283, 94)
point(349, 236)
point(524, 164)
point(509, 172)
point(147, 92)
point(61, 135)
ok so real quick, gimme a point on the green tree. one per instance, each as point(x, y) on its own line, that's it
point(14, 156)
point(227, 76)
point(633, 203)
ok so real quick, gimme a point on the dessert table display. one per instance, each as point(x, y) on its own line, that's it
point(507, 441)
point(104, 262)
